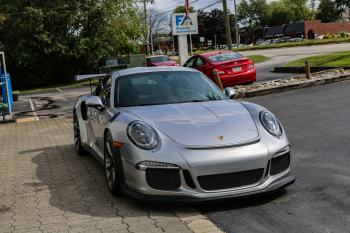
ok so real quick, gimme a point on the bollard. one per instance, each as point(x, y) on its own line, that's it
point(217, 79)
point(307, 69)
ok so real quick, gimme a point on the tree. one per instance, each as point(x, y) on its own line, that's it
point(327, 11)
point(48, 42)
point(252, 14)
point(213, 23)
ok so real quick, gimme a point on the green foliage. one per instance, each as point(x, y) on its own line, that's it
point(327, 11)
point(337, 36)
point(330, 59)
point(182, 9)
point(342, 34)
point(53, 40)
point(347, 35)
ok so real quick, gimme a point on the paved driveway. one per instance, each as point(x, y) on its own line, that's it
point(46, 187)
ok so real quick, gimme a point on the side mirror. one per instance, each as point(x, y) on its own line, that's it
point(94, 101)
point(230, 92)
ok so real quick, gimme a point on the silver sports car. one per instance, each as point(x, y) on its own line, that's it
point(169, 134)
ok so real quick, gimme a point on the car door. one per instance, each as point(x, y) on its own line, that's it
point(201, 65)
point(99, 117)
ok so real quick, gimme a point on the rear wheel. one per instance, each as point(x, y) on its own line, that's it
point(77, 139)
point(111, 166)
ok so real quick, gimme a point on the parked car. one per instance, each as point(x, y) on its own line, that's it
point(233, 67)
point(173, 54)
point(170, 135)
point(248, 45)
point(319, 37)
point(296, 39)
point(161, 61)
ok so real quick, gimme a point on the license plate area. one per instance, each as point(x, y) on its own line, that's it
point(236, 69)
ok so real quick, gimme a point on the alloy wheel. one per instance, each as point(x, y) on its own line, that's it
point(110, 165)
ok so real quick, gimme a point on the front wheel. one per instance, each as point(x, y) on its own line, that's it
point(111, 166)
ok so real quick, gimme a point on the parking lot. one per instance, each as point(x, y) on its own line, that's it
point(46, 186)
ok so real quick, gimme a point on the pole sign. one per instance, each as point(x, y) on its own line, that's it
point(181, 26)
point(210, 42)
point(201, 39)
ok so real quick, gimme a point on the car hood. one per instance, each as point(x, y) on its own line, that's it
point(202, 124)
point(165, 63)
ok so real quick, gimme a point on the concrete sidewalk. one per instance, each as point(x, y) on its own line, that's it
point(46, 187)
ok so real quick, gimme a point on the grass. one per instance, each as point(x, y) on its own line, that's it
point(254, 58)
point(54, 86)
point(330, 59)
point(288, 44)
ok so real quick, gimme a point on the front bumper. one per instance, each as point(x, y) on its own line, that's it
point(177, 199)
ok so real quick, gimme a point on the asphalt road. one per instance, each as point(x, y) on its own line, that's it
point(317, 124)
point(49, 104)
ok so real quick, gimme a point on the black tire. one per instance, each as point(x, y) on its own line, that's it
point(111, 166)
point(77, 139)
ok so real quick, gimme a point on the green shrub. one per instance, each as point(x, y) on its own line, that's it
point(343, 34)
point(337, 36)
point(347, 34)
point(325, 37)
point(194, 49)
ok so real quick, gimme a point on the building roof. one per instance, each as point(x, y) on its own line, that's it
point(274, 30)
point(294, 27)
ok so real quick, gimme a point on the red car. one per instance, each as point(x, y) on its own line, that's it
point(233, 67)
point(161, 61)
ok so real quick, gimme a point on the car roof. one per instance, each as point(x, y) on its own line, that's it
point(138, 70)
point(214, 53)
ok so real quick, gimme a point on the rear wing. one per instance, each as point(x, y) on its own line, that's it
point(79, 78)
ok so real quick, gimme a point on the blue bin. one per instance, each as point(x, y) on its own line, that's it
point(4, 91)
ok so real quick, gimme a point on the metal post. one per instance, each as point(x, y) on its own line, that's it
point(173, 46)
point(217, 79)
point(307, 69)
point(7, 87)
point(191, 43)
point(147, 37)
point(236, 25)
point(227, 25)
point(215, 41)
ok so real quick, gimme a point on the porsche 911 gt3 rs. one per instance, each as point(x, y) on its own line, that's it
point(169, 134)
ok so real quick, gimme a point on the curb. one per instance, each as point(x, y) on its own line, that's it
point(301, 69)
point(294, 86)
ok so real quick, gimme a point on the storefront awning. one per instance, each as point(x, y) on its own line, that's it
point(273, 30)
point(294, 27)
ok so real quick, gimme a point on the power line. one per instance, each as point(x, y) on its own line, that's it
point(210, 5)
point(174, 9)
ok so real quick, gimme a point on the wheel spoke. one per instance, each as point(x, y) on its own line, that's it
point(107, 163)
point(110, 178)
point(109, 149)
point(76, 125)
point(77, 134)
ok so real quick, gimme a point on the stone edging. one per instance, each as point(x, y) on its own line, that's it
point(250, 91)
point(301, 69)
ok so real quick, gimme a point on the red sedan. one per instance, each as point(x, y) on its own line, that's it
point(161, 61)
point(233, 67)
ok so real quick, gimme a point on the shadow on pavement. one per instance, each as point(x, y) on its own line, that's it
point(77, 184)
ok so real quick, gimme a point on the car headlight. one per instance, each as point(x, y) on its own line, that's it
point(270, 123)
point(142, 135)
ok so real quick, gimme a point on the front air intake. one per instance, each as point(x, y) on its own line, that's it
point(230, 180)
point(163, 178)
point(279, 164)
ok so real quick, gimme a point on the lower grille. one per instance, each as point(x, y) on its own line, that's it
point(280, 164)
point(163, 178)
point(230, 180)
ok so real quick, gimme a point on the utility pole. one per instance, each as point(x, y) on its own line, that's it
point(147, 36)
point(236, 24)
point(215, 41)
point(227, 25)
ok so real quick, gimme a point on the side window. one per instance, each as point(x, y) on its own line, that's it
point(148, 59)
point(200, 62)
point(98, 89)
point(105, 94)
point(189, 63)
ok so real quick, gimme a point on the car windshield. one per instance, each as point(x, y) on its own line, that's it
point(164, 87)
point(224, 57)
point(160, 59)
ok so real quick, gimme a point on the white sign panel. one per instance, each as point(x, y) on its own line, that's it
point(181, 26)
point(201, 39)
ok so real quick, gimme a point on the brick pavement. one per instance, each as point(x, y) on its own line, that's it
point(46, 187)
